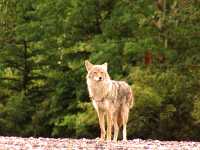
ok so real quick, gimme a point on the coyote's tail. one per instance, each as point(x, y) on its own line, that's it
point(131, 100)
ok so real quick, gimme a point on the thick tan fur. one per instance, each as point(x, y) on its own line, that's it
point(110, 98)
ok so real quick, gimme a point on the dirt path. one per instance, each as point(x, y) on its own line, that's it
point(18, 143)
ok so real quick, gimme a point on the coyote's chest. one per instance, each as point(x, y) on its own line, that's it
point(98, 90)
point(104, 96)
point(104, 105)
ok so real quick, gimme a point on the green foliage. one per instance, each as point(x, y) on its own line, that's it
point(43, 45)
point(16, 115)
point(162, 99)
point(81, 124)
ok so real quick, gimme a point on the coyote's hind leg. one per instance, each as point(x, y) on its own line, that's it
point(116, 128)
point(124, 113)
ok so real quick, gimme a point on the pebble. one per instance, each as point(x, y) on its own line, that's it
point(19, 143)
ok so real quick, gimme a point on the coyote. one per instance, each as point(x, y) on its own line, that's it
point(110, 98)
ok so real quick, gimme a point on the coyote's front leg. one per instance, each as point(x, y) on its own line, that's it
point(102, 124)
point(109, 126)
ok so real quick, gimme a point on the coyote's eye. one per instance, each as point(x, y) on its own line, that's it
point(95, 72)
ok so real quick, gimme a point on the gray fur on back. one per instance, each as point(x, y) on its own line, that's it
point(120, 93)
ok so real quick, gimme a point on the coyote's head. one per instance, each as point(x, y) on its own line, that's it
point(96, 72)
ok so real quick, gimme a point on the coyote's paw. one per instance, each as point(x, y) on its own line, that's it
point(100, 139)
point(124, 140)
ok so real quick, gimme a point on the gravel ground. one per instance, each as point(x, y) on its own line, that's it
point(18, 143)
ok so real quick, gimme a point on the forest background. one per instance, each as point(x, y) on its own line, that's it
point(154, 45)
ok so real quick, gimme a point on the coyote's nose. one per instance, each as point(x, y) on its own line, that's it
point(100, 78)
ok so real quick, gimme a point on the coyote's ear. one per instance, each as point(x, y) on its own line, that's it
point(105, 66)
point(88, 65)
